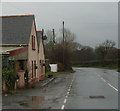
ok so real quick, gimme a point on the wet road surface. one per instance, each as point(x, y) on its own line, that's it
point(48, 97)
point(87, 88)
point(93, 89)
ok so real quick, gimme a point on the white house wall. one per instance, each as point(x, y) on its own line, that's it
point(41, 56)
point(32, 54)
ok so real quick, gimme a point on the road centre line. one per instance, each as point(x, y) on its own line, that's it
point(103, 79)
point(63, 106)
point(69, 89)
point(108, 83)
point(112, 87)
point(65, 100)
point(67, 92)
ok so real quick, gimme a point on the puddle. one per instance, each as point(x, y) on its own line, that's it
point(33, 102)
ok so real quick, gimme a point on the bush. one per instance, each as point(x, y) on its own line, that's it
point(9, 76)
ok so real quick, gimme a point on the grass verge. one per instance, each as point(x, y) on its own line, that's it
point(55, 74)
point(111, 68)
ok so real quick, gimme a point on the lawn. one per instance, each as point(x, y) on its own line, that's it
point(55, 74)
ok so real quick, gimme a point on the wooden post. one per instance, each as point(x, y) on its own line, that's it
point(63, 45)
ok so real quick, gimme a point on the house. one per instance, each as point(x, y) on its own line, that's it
point(23, 44)
point(41, 55)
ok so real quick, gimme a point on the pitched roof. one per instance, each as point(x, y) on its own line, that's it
point(16, 29)
point(39, 35)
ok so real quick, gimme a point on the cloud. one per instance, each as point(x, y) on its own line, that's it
point(91, 22)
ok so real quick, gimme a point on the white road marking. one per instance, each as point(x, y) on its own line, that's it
point(103, 79)
point(108, 83)
point(112, 87)
point(65, 100)
point(69, 90)
point(63, 106)
point(66, 96)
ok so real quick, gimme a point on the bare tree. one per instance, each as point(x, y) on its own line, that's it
point(49, 36)
point(104, 48)
point(69, 46)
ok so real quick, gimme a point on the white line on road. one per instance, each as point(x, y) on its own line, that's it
point(103, 79)
point(69, 90)
point(63, 106)
point(108, 83)
point(112, 87)
point(66, 96)
point(65, 100)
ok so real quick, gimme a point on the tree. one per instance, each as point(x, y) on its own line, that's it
point(50, 36)
point(67, 47)
point(49, 47)
point(103, 49)
point(55, 51)
point(83, 54)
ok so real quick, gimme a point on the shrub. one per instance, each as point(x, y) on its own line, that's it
point(9, 76)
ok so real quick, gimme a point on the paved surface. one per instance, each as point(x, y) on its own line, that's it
point(87, 88)
point(101, 84)
point(48, 97)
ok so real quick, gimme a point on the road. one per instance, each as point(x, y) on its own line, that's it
point(87, 88)
point(93, 89)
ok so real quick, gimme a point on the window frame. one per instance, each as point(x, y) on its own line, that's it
point(32, 69)
point(33, 42)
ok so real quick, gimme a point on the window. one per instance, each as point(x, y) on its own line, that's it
point(33, 42)
point(32, 69)
point(35, 68)
point(40, 62)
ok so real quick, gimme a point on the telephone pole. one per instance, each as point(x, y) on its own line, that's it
point(53, 32)
point(42, 33)
point(63, 47)
point(63, 33)
point(53, 36)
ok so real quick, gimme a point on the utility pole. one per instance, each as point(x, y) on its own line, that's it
point(53, 36)
point(42, 33)
point(63, 47)
point(53, 31)
point(63, 33)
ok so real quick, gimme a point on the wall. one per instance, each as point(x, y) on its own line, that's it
point(32, 55)
point(21, 83)
point(41, 57)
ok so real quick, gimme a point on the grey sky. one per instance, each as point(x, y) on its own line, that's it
point(92, 22)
